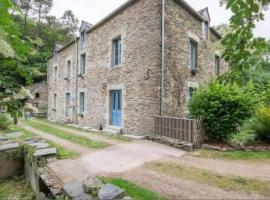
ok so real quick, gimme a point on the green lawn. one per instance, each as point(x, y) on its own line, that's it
point(62, 153)
point(133, 190)
point(16, 188)
point(230, 183)
point(117, 137)
point(81, 140)
point(236, 155)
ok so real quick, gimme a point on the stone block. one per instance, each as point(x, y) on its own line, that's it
point(73, 189)
point(92, 185)
point(45, 152)
point(9, 146)
point(111, 192)
point(14, 134)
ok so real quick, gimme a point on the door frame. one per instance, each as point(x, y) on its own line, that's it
point(107, 107)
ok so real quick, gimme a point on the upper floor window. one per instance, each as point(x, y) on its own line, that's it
point(191, 91)
point(55, 73)
point(117, 50)
point(81, 100)
point(83, 39)
point(68, 69)
point(217, 65)
point(205, 30)
point(82, 64)
point(193, 55)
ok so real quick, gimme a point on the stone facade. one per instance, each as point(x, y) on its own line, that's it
point(39, 92)
point(138, 77)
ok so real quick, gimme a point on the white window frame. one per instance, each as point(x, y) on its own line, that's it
point(81, 106)
point(68, 69)
point(82, 69)
point(83, 39)
point(193, 56)
point(117, 41)
point(205, 29)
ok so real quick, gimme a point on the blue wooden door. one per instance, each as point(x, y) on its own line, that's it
point(116, 112)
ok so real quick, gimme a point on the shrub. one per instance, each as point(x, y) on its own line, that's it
point(5, 122)
point(262, 125)
point(223, 109)
point(243, 138)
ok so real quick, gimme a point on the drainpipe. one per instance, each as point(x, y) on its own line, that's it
point(76, 75)
point(162, 56)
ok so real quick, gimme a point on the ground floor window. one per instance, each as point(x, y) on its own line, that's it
point(68, 104)
point(81, 107)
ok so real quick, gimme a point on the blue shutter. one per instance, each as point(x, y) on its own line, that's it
point(81, 102)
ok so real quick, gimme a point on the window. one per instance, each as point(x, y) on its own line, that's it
point(82, 64)
point(190, 92)
point(81, 108)
point(54, 101)
point(116, 60)
point(193, 55)
point(205, 30)
point(68, 69)
point(217, 65)
point(68, 102)
point(83, 39)
point(37, 95)
point(55, 73)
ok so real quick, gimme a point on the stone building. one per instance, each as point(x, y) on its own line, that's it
point(39, 92)
point(144, 59)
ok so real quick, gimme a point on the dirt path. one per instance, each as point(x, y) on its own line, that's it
point(175, 188)
point(115, 159)
point(227, 167)
point(62, 142)
point(92, 136)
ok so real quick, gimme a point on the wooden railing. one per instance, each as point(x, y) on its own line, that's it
point(188, 130)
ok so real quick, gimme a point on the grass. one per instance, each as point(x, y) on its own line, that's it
point(133, 190)
point(81, 140)
point(230, 183)
point(237, 155)
point(16, 188)
point(62, 153)
point(117, 137)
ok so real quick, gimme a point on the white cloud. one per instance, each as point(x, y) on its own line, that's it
point(94, 10)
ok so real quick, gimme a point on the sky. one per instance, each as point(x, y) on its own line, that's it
point(95, 10)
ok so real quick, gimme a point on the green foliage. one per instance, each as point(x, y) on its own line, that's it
point(243, 138)
point(5, 122)
point(244, 52)
point(132, 190)
point(222, 108)
point(262, 125)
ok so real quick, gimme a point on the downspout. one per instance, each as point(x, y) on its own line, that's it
point(162, 56)
point(76, 89)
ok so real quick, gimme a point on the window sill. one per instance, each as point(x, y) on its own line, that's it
point(67, 79)
point(116, 67)
point(81, 114)
point(54, 110)
point(194, 72)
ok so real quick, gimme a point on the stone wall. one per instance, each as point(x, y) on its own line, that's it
point(137, 76)
point(180, 27)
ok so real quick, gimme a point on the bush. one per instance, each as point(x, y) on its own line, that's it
point(5, 122)
point(243, 138)
point(262, 125)
point(223, 109)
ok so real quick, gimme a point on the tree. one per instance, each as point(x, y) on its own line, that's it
point(70, 22)
point(244, 52)
point(14, 71)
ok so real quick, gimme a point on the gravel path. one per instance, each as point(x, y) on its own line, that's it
point(227, 167)
point(175, 188)
point(92, 136)
point(62, 142)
